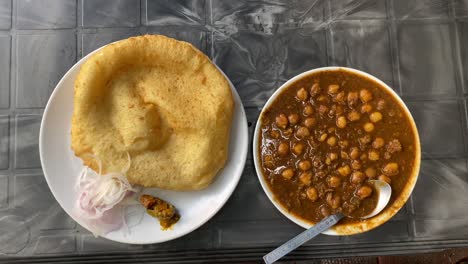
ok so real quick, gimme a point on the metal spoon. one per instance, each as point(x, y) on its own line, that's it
point(384, 191)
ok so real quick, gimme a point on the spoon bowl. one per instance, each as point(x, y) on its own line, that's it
point(384, 192)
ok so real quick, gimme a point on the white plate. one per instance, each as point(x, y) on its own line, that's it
point(61, 169)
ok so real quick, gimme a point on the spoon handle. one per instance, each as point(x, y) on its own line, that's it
point(302, 238)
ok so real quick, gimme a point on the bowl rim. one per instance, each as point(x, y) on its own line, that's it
point(353, 228)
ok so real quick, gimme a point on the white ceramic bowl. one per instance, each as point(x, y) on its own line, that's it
point(354, 228)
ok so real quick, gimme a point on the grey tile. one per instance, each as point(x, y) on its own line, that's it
point(3, 191)
point(42, 60)
point(250, 12)
point(442, 190)
point(440, 128)
point(33, 197)
point(178, 12)
point(90, 243)
point(92, 41)
point(363, 45)
point(427, 64)
point(55, 244)
point(193, 36)
point(15, 233)
point(390, 231)
point(310, 13)
point(45, 14)
point(461, 8)
point(269, 233)
point(463, 28)
point(4, 142)
point(111, 13)
point(258, 63)
point(250, 199)
point(420, 9)
point(27, 141)
point(268, 13)
point(441, 229)
point(5, 59)
point(5, 14)
point(352, 9)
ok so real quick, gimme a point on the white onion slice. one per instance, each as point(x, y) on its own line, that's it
point(99, 204)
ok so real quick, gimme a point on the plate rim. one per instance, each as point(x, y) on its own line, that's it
point(239, 165)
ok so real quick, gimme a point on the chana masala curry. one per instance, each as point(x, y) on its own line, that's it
point(325, 136)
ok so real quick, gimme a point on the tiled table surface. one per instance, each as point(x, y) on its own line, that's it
point(417, 47)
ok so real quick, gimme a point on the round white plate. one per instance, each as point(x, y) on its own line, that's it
point(61, 168)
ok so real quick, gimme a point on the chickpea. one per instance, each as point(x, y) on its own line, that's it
point(353, 99)
point(357, 177)
point(282, 121)
point(302, 94)
point(370, 172)
point(315, 89)
point(380, 104)
point(333, 156)
point(373, 155)
point(354, 116)
point(293, 119)
point(283, 148)
point(344, 171)
point(288, 131)
point(364, 192)
point(298, 148)
point(333, 88)
point(378, 143)
point(304, 165)
point(323, 137)
point(305, 178)
point(375, 117)
point(344, 155)
point(366, 108)
point(354, 154)
point(288, 173)
point(302, 132)
point(310, 122)
point(334, 201)
point(385, 179)
point(334, 181)
point(356, 165)
point(365, 95)
point(331, 129)
point(324, 211)
point(363, 156)
point(341, 122)
point(275, 134)
point(369, 127)
point(308, 110)
point(391, 169)
point(268, 162)
point(339, 98)
point(322, 98)
point(366, 139)
point(331, 141)
point(323, 109)
point(343, 143)
point(312, 194)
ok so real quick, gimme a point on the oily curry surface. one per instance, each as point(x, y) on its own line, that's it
point(325, 136)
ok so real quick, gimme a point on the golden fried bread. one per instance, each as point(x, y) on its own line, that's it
point(161, 101)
